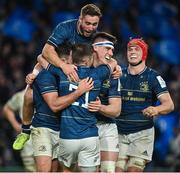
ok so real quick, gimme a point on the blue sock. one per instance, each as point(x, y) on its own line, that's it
point(26, 129)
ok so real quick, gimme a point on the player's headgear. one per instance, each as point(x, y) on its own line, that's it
point(104, 44)
point(141, 43)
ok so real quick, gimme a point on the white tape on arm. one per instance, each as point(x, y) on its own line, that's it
point(35, 72)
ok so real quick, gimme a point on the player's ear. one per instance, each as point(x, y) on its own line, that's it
point(80, 19)
point(95, 48)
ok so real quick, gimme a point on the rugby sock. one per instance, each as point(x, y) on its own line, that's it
point(26, 129)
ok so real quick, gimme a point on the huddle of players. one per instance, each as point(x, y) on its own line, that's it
point(78, 130)
point(80, 94)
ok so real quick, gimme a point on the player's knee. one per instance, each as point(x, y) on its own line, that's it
point(43, 168)
point(88, 169)
point(108, 166)
point(121, 163)
point(136, 163)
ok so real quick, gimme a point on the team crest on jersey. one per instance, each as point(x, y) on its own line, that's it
point(144, 86)
point(106, 84)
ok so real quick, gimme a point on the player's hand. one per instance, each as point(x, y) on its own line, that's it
point(70, 71)
point(117, 73)
point(150, 111)
point(94, 106)
point(86, 85)
point(30, 78)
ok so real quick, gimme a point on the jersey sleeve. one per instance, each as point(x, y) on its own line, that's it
point(46, 82)
point(115, 88)
point(59, 35)
point(158, 84)
point(14, 102)
point(53, 70)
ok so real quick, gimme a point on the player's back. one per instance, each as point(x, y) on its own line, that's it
point(44, 116)
point(76, 121)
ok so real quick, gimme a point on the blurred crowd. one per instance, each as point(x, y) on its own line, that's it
point(26, 25)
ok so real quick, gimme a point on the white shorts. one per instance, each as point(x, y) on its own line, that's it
point(108, 136)
point(45, 142)
point(85, 152)
point(28, 157)
point(138, 144)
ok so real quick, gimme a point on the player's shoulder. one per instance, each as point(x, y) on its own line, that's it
point(152, 72)
point(52, 67)
point(69, 23)
point(43, 74)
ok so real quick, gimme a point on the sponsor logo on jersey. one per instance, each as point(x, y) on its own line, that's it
point(161, 81)
point(130, 93)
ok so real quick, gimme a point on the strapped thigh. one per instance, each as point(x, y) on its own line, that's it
point(121, 162)
point(136, 162)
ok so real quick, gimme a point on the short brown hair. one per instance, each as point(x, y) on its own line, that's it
point(80, 51)
point(64, 49)
point(90, 9)
point(100, 36)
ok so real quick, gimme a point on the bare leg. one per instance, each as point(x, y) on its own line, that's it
point(70, 169)
point(55, 166)
point(134, 169)
point(28, 108)
point(43, 163)
point(108, 161)
point(121, 164)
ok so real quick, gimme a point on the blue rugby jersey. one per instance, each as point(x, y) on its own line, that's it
point(137, 93)
point(110, 89)
point(67, 31)
point(76, 121)
point(44, 116)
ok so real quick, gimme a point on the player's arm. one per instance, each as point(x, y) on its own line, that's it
point(10, 116)
point(50, 54)
point(31, 76)
point(113, 109)
point(28, 105)
point(166, 106)
point(42, 61)
point(57, 103)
